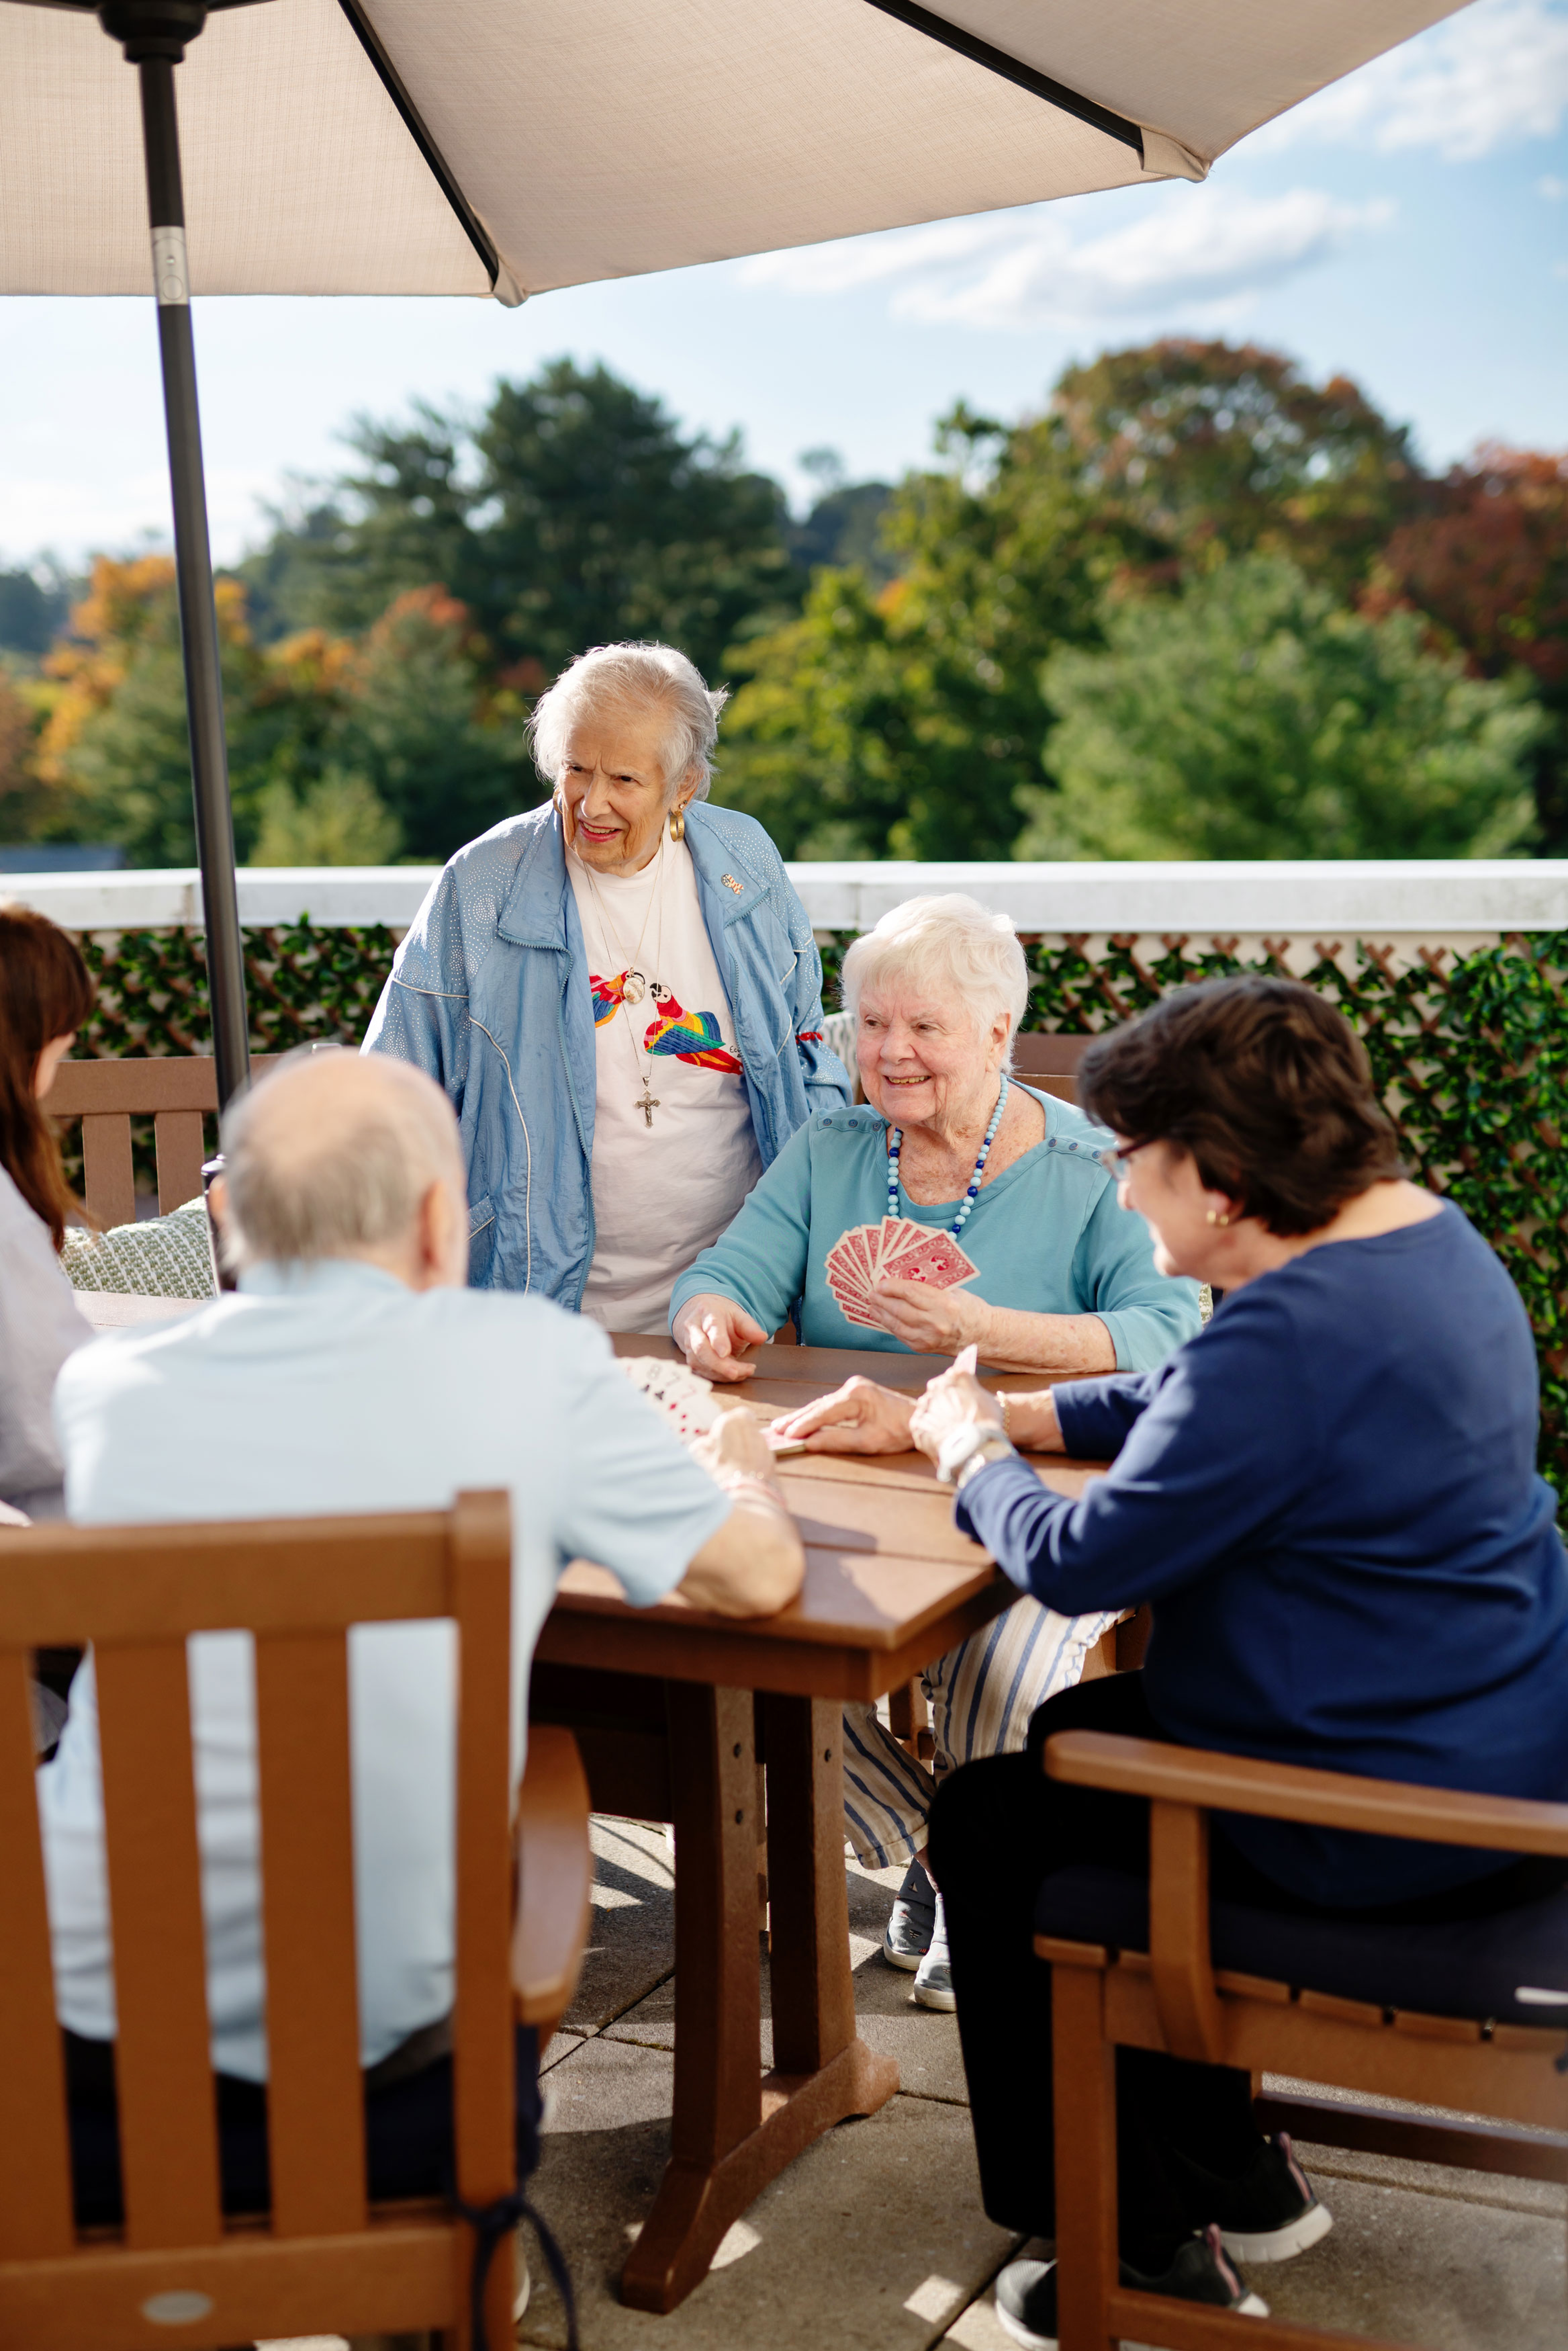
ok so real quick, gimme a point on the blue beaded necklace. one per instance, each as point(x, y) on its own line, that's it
point(896, 1145)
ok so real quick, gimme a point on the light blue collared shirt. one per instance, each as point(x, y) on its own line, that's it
point(335, 1388)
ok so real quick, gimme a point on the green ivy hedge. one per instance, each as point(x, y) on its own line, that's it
point(1472, 1061)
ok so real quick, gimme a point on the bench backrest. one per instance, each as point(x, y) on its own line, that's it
point(176, 1091)
point(297, 1586)
point(1049, 1060)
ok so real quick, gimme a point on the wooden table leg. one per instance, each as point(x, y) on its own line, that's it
point(734, 2131)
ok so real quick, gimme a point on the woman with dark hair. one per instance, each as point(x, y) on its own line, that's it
point(45, 995)
point(1329, 1500)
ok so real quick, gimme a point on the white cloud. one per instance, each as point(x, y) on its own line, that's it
point(1553, 190)
point(1487, 78)
point(1203, 253)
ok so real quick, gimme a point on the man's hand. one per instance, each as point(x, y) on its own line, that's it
point(953, 1400)
point(858, 1418)
point(755, 1565)
point(710, 1330)
point(931, 1321)
point(735, 1446)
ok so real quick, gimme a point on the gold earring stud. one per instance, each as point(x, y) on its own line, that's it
point(1216, 1218)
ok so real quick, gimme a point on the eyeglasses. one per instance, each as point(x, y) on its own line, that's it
point(1119, 1164)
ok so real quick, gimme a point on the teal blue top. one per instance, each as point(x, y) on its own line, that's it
point(1046, 1234)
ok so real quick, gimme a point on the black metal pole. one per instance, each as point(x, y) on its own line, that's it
point(194, 566)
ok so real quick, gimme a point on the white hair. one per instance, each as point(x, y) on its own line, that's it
point(330, 1154)
point(952, 941)
point(633, 677)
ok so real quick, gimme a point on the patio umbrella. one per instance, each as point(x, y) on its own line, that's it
point(489, 147)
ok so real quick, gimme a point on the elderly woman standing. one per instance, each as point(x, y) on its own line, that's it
point(621, 996)
point(1065, 1282)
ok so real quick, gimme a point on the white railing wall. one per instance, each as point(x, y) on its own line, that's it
point(1409, 911)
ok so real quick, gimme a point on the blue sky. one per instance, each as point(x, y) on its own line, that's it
point(1409, 227)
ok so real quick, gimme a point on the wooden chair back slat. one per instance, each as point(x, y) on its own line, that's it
point(315, 2109)
point(64, 1585)
point(35, 2153)
point(107, 1179)
point(178, 1138)
point(168, 2113)
point(1049, 1061)
point(176, 1091)
point(483, 2093)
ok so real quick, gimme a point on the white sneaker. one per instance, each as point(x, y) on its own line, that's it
point(934, 1980)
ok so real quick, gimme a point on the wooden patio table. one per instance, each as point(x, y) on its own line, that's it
point(680, 1714)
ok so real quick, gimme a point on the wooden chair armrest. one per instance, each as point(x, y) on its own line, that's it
point(1284, 1791)
point(554, 1871)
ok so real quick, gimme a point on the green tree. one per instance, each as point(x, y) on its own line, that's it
point(408, 713)
point(1254, 716)
point(445, 754)
point(575, 512)
point(905, 723)
point(1205, 443)
point(335, 820)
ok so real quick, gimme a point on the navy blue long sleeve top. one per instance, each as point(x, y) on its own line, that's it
point(1329, 1497)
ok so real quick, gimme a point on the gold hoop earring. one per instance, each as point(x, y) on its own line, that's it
point(1216, 1218)
point(677, 824)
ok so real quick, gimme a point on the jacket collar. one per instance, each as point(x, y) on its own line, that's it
point(534, 914)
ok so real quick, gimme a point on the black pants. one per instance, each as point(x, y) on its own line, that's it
point(408, 2129)
point(998, 1828)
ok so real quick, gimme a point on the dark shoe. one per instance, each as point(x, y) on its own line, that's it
point(1026, 2291)
point(1269, 2214)
point(908, 1935)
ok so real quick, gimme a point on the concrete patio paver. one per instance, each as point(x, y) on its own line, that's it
point(875, 2238)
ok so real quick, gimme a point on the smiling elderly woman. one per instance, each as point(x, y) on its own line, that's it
point(621, 996)
point(1065, 1282)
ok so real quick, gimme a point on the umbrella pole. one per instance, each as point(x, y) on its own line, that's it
point(193, 566)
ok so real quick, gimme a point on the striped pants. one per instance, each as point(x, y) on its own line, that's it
point(981, 1696)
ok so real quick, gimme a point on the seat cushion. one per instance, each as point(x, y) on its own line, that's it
point(1474, 1968)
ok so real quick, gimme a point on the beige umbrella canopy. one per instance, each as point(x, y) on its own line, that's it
point(513, 146)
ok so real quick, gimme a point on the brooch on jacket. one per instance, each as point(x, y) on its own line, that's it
point(730, 883)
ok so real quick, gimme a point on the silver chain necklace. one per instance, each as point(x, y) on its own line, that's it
point(634, 985)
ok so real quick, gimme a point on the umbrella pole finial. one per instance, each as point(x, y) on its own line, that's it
point(153, 34)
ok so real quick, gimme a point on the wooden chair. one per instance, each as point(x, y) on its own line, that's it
point(1048, 1060)
point(1128, 1972)
point(176, 1091)
point(323, 2260)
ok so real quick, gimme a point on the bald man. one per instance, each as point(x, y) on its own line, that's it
point(353, 1371)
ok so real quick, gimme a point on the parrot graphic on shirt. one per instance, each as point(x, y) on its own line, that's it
point(691, 1037)
point(608, 996)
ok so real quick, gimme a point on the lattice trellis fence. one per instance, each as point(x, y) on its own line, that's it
point(1471, 1055)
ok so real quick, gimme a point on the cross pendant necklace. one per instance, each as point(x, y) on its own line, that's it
point(648, 1102)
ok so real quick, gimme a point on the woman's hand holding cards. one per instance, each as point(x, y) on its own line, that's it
point(931, 1322)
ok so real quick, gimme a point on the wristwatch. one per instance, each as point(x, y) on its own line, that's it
point(968, 1448)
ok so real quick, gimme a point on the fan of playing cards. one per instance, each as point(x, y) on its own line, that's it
point(683, 1396)
point(898, 1249)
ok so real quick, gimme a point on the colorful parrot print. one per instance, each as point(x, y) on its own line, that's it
point(608, 996)
point(690, 1037)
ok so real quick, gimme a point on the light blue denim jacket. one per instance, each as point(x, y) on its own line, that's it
point(489, 995)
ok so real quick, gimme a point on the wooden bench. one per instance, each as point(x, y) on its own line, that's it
point(322, 2261)
point(176, 1091)
point(1172, 1997)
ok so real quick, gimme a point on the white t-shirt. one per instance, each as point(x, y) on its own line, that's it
point(674, 1149)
